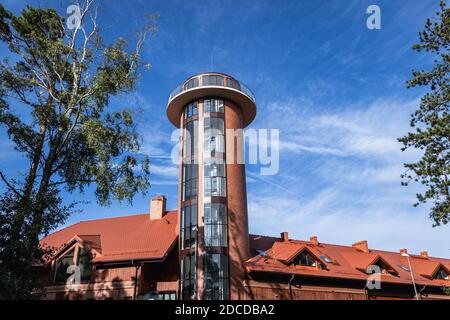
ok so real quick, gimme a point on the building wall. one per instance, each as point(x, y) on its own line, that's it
point(117, 283)
point(113, 283)
point(238, 237)
point(277, 291)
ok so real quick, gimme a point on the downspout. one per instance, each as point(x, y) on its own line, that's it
point(420, 292)
point(290, 285)
point(367, 292)
point(137, 267)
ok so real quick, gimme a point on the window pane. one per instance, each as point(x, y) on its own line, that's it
point(233, 84)
point(194, 215)
point(62, 265)
point(84, 262)
point(191, 83)
point(216, 277)
point(213, 105)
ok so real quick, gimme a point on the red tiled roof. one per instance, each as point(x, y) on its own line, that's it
point(347, 262)
point(122, 238)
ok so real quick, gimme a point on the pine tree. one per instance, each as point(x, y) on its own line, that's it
point(431, 121)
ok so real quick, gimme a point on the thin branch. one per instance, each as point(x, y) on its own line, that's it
point(9, 185)
point(71, 181)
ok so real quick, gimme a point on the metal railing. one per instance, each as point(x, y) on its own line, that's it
point(207, 80)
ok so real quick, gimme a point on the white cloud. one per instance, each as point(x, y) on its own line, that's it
point(347, 164)
point(165, 170)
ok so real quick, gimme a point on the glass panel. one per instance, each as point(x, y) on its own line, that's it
point(305, 259)
point(213, 105)
point(442, 274)
point(190, 172)
point(215, 217)
point(214, 135)
point(191, 84)
point(188, 280)
point(62, 265)
point(216, 277)
point(191, 110)
point(215, 170)
point(212, 80)
point(84, 262)
point(233, 84)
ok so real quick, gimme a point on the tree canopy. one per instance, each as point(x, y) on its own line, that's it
point(56, 93)
point(431, 121)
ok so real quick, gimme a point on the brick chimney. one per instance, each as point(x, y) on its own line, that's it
point(314, 240)
point(424, 254)
point(285, 236)
point(403, 251)
point(157, 207)
point(361, 246)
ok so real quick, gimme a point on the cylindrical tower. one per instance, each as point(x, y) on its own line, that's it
point(211, 109)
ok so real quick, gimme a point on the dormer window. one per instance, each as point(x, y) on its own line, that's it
point(62, 266)
point(382, 268)
point(78, 257)
point(442, 274)
point(305, 259)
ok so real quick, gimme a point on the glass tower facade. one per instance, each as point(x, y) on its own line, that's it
point(213, 237)
point(189, 210)
point(215, 220)
point(212, 194)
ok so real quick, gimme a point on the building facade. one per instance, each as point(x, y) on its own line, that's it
point(211, 110)
point(203, 249)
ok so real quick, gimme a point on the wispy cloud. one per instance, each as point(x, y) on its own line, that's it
point(166, 170)
point(347, 163)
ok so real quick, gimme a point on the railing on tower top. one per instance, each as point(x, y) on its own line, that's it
point(207, 80)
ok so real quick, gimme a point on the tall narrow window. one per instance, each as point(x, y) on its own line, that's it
point(216, 229)
point(189, 212)
point(216, 277)
point(189, 277)
point(190, 181)
point(214, 178)
point(84, 262)
point(189, 228)
point(214, 135)
point(190, 136)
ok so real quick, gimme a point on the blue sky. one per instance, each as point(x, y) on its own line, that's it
point(335, 89)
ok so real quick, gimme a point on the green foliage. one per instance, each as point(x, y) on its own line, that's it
point(446, 290)
point(63, 81)
point(431, 122)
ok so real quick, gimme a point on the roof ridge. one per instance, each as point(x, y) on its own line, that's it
point(118, 217)
point(127, 216)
